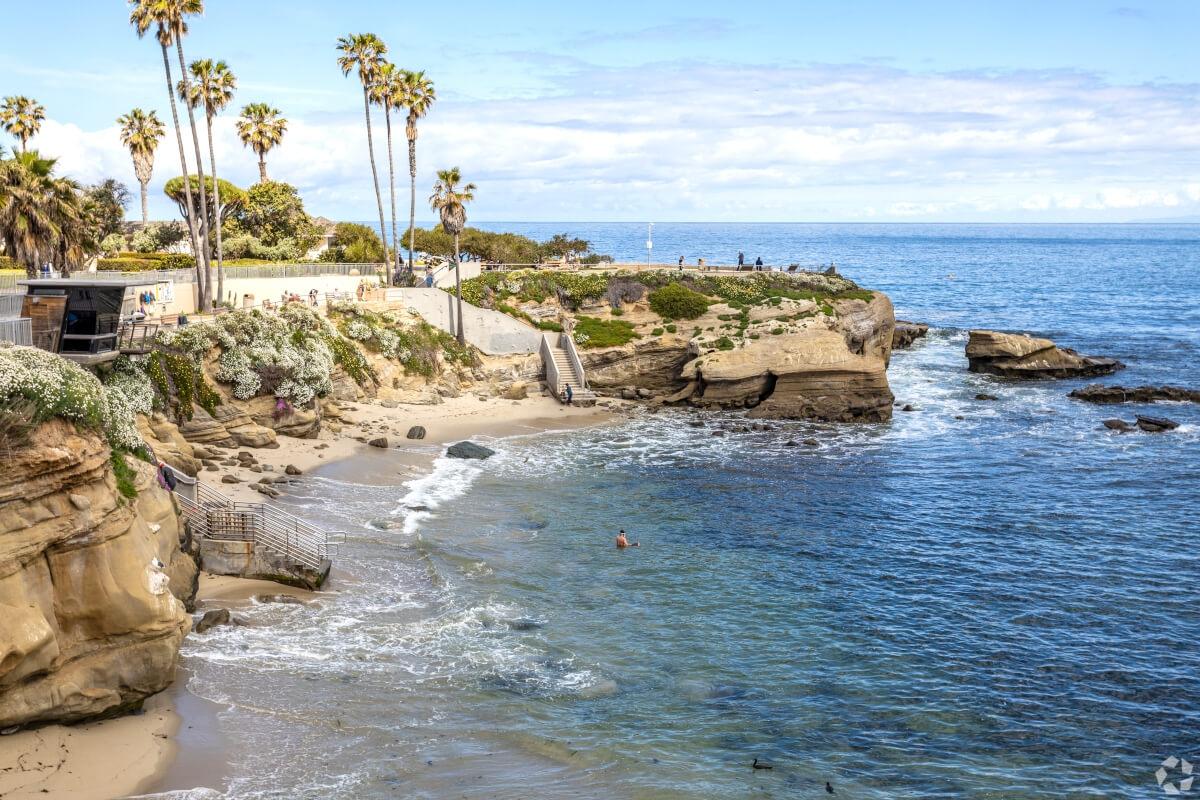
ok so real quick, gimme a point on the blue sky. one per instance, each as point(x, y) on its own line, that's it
point(914, 111)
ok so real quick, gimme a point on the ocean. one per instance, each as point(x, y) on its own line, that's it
point(977, 600)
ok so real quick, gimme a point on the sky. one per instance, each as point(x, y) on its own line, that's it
point(857, 110)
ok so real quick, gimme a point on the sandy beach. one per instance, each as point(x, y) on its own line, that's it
point(138, 753)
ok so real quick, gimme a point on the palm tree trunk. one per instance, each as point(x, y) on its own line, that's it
point(145, 202)
point(412, 200)
point(189, 210)
point(375, 174)
point(212, 160)
point(387, 115)
point(462, 339)
point(262, 168)
point(206, 291)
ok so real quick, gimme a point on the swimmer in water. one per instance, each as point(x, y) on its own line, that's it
point(622, 542)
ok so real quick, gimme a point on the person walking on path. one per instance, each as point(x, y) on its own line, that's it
point(741, 259)
point(570, 394)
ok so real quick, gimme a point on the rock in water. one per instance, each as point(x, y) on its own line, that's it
point(416, 432)
point(469, 450)
point(211, 619)
point(907, 332)
point(985, 396)
point(292, 469)
point(1156, 424)
point(1019, 356)
point(1096, 393)
point(1117, 425)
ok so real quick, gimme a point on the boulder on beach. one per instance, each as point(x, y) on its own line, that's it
point(380, 442)
point(1156, 424)
point(416, 432)
point(469, 450)
point(1019, 356)
point(211, 619)
point(1108, 395)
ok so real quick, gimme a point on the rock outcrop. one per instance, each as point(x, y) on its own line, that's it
point(1018, 356)
point(907, 332)
point(90, 624)
point(1109, 395)
point(826, 367)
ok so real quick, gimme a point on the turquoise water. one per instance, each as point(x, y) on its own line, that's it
point(998, 606)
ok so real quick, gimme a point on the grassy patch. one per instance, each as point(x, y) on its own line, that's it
point(591, 333)
point(126, 476)
point(656, 332)
point(724, 343)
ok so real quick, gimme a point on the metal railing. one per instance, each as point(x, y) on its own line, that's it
point(16, 331)
point(567, 342)
point(8, 283)
point(10, 305)
point(311, 270)
point(214, 516)
point(137, 337)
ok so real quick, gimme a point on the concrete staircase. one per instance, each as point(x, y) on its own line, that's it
point(563, 367)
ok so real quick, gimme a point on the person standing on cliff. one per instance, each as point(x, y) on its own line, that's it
point(681, 263)
point(741, 259)
point(758, 263)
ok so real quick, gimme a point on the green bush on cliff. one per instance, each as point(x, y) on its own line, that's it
point(676, 301)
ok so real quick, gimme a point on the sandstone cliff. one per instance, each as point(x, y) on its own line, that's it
point(799, 360)
point(88, 626)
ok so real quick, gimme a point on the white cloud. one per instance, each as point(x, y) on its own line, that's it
point(706, 141)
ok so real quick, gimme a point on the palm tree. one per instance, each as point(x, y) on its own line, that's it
point(387, 91)
point(365, 52)
point(22, 117)
point(261, 129)
point(213, 89)
point(450, 201)
point(141, 132)
point(41, 216)
point(166, 16)
point(418, 98)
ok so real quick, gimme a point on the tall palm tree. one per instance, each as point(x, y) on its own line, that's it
point(387, 91)
point(213, 88)
point(261, 129)
point(450, 201)
point(166, 17)
point(41, 216)
point(22, 117)
point(141, 132)
point(419, 95)
point(365, 52)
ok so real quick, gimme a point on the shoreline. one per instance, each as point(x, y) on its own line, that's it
point(139, 754)
point(196, 729)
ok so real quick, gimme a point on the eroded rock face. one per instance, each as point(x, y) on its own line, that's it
point(906, 333)
point(88, 626)
point(1018, 356)
point(655, 365)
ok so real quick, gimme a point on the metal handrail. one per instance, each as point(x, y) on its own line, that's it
point(568, 344)
point(214, 516)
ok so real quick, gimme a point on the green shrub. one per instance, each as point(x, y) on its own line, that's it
point(777, 331)
point(676, 301)
point(127, 264)
point(549, 325)
point(591, 333)
point(656, 332)
point(126, 476)
point(724, 343)
point(671, 328)
point(618, 312)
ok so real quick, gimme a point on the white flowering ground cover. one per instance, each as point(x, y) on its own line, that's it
point(56, 387)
